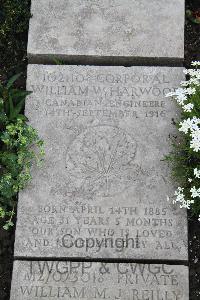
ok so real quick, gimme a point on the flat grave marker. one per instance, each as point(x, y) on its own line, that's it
point(94, 280)
point(102, 191)
point(107, 31)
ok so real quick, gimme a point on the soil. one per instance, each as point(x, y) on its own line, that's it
point(192, 35)
point(192, 52)
point(6, 261)
point(194, 258)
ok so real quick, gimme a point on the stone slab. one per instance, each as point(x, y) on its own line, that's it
point(102, 190)
point(94, 280)
point(107, 31)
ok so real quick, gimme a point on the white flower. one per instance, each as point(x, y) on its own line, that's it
point(199, 218)
point(179, 194)
point(181, 99)
point(188, 107)
point(180, 197)
point(180, 94)
point(170, 94)
point(195, 145)
point(195, 192)
point(195, 122)
point(184, 126)
point(190, 91)
point(195, 81)
point(197, 173)
point(184, 83)
point(195, 63)
point(193, 73)
point(189, 124)
point(186, 204)
point(185, 71)
point(195, 142)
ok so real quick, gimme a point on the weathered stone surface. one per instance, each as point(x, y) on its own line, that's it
point(117, 31)
point(94, 280)
point(102, 191)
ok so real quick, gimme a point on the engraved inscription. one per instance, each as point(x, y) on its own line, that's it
point(117, 96)
point(91, 280)
point(102, 190)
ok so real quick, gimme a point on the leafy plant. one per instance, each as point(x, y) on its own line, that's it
point(193, 16)
point(57, 61)
point(185, 157)
point(17, 152)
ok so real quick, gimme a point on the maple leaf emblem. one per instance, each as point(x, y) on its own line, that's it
point(100, 161)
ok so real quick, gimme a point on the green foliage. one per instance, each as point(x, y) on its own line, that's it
point(57, 61)
point(11, 102)
point(14, 21)
point(19, 147)
point(193, 16)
